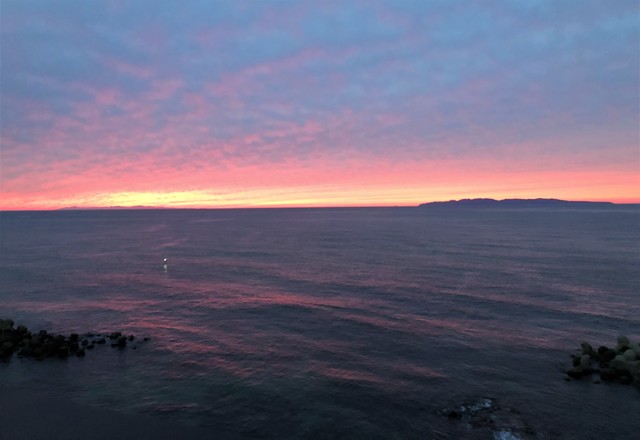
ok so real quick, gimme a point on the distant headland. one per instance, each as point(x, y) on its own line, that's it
point(515, 203)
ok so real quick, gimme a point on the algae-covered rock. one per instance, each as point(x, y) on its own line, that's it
point(587, 349)
point(621, 364)
point(623, 343)
point(6, 324)
point(585, 361)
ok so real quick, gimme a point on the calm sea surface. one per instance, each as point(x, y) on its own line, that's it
point(330, 323)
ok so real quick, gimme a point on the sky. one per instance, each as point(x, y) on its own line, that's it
point(317, 103)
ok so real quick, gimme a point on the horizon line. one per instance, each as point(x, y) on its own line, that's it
point(165, 207)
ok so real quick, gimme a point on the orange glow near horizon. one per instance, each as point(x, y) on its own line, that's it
point(382, 190)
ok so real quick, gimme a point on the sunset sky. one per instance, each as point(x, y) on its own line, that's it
point(317, 103)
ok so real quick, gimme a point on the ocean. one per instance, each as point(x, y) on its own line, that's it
point(331, 323)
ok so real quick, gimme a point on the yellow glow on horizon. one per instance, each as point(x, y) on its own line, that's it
point(331, 195)
point(273, 197)
point(172, 198)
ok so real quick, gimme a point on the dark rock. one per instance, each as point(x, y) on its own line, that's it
point(575, 360)
point(50, 348)
point(585, 362)
point(6, 349)
point(607, 355)
point(6, 324)
point(587, 349)
point(46, 345)
point(486, 417)
point(482, 420)
point(623, 343)
point(620, 364)
point(27, 352)
point(608, 374)
point(63, 352)
point(576, 372)
point(146, 339)
point(625, 379)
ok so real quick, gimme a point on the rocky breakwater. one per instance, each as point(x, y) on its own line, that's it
point(41, 345)
point(620, 364)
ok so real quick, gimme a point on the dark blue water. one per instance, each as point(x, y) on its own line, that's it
point(330, 323)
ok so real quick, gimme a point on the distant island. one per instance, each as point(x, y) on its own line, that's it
point(515, 203)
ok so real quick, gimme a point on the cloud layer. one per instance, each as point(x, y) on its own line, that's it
point(216, 103)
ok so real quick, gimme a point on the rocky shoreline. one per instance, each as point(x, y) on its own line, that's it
point(43, 345)
point(620, 364)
